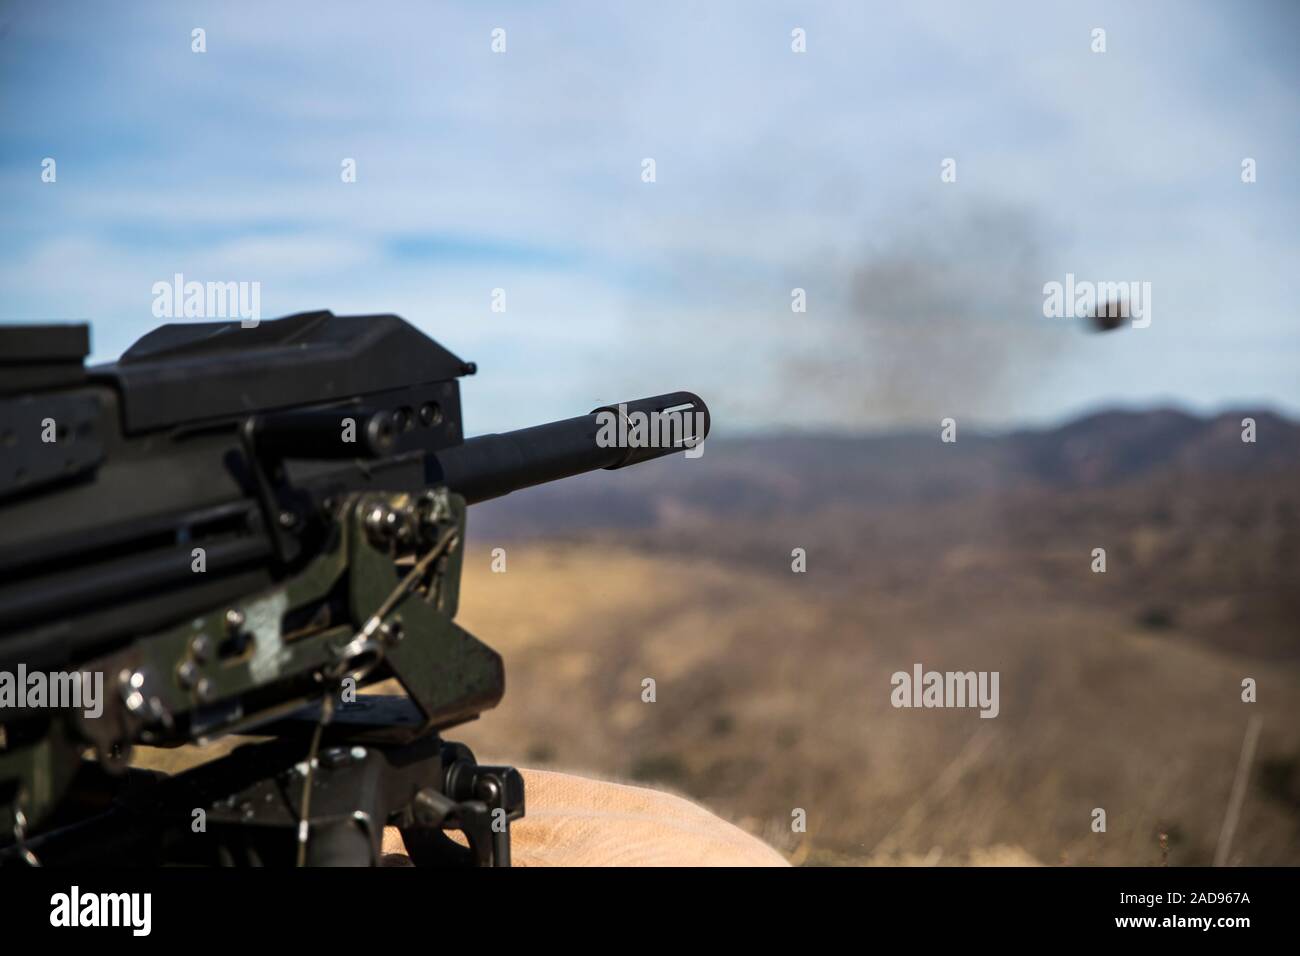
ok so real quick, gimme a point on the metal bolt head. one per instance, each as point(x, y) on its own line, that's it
point(379, 521)
point(132, 683)
point(187, 673)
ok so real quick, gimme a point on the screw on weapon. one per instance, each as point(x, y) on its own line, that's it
point(430, 414)
point(132, 690)
point(187, 673)
point(383, 524)
point(138, 698)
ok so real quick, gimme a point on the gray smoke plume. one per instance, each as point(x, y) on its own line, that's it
point(943, 316)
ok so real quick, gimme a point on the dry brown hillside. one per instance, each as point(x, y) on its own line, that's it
point(773, 694)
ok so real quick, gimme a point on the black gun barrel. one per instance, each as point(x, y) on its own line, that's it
point(612, 436)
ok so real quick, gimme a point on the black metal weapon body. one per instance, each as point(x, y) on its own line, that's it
point(235, 528)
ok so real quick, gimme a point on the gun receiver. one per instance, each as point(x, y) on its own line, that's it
point(231, 525)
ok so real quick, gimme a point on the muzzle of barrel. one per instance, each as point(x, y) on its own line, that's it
point(612, 436)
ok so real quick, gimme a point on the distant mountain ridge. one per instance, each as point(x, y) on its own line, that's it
point(1114, 446)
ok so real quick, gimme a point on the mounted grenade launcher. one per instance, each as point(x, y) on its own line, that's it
point(230, 528)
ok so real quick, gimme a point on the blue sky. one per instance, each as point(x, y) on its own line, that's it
point(775, 170)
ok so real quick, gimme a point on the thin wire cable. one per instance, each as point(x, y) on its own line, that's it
point(362, 642)
point(304, 811)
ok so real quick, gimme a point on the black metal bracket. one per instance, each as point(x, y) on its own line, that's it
point(244, 809)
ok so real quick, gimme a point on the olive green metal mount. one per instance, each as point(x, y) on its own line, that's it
point(193, 682)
